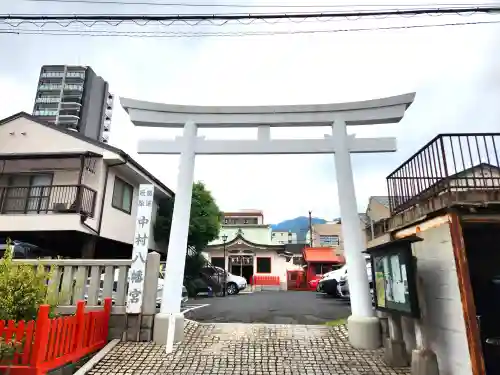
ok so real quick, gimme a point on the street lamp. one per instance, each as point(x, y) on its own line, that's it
point(224, 239)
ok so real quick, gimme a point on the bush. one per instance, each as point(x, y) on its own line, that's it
point(23, 288)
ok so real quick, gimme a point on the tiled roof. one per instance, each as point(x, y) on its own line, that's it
point(322, 254)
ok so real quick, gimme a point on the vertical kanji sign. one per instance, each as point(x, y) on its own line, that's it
point(140, 249)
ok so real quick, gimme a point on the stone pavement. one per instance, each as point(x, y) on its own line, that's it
point(248, 349)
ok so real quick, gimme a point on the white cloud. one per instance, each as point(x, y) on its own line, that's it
point(454, 71)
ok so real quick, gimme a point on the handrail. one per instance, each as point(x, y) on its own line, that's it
point(449, 162)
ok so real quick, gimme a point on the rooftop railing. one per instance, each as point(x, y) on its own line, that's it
point(449, 164)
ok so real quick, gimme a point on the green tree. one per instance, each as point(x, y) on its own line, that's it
point(204, 225)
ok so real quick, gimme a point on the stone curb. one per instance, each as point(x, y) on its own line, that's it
point(98, 357)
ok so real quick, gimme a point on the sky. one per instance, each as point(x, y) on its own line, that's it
point(455, 72)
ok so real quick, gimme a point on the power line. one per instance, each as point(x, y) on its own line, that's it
point(277, 6)
point(146, 34)
point(261, 16)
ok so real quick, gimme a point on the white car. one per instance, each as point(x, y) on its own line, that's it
point(234, 284)
point(159, 290)
point(343, 284)
point(330, 280)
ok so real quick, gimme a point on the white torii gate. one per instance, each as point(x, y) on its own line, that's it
point(363, 326)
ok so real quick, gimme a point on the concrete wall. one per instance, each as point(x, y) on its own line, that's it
point(443, 321)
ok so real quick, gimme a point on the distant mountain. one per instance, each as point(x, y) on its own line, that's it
point(299, 225)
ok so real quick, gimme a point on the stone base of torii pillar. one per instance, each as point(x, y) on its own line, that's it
point(364, 328)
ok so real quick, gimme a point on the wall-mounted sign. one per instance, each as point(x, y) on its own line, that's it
point(140, 249)
point(394, 275)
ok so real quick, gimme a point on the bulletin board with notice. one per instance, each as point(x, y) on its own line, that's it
point(394, 274)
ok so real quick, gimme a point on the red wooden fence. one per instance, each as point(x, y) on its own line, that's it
point(47, 344)
point(265, 280)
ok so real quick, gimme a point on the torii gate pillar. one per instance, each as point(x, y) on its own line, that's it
point(363, 326)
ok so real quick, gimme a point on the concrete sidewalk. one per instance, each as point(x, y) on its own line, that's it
point(248, 349)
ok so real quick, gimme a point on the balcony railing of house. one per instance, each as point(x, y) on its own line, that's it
point(449, 167)
point(47, 199)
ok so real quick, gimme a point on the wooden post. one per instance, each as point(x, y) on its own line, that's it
point(80, 326)
point(42, 330)
point(108, 303)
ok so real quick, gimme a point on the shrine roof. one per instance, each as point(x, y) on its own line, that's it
point(322, 254)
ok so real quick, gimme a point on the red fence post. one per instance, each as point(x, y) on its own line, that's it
point(80, 326)
point(108, 303)
point(42, 330)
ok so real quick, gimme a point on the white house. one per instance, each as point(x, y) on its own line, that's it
point(68, 193)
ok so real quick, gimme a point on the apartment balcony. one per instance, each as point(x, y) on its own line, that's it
point(75, 75)
point(71, 113)
point(70, 87)
point(54, 199)
point(71, 101)
point(47, 113)
point(49, 87)
point(47, 100)
point(451, 169)
point(52, 74)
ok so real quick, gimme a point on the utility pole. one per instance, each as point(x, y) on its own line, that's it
point(310, 230)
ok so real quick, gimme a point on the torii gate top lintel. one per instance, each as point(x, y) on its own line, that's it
point(367, 112)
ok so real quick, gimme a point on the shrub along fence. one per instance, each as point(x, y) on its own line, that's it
point(46, 344)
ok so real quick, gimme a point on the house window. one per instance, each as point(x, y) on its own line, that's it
point(263, 265)
point(321, 269)
point(329, 240)
point(122, 196)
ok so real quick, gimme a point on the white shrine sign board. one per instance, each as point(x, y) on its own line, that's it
point(140, 249)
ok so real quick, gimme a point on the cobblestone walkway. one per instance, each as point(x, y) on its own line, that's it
point(248, 349)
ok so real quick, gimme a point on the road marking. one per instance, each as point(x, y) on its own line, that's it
point(194, 307)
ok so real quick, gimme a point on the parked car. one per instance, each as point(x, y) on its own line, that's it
point(159, 294)
point(25, 250)
point(314, 284)
point(329, 281)
point(159, 290)
point(343, 289)
point(234, 284)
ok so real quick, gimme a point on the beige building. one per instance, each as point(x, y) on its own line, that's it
point(330, 234)
point(68, 193)
point(377, 209)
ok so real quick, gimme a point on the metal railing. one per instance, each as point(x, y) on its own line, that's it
point(449, 163)
point(45, 199)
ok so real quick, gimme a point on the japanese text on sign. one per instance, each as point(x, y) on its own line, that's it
point(140, 249)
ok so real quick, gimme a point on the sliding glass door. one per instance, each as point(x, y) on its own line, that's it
point(27, 193)
point(39, 193)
